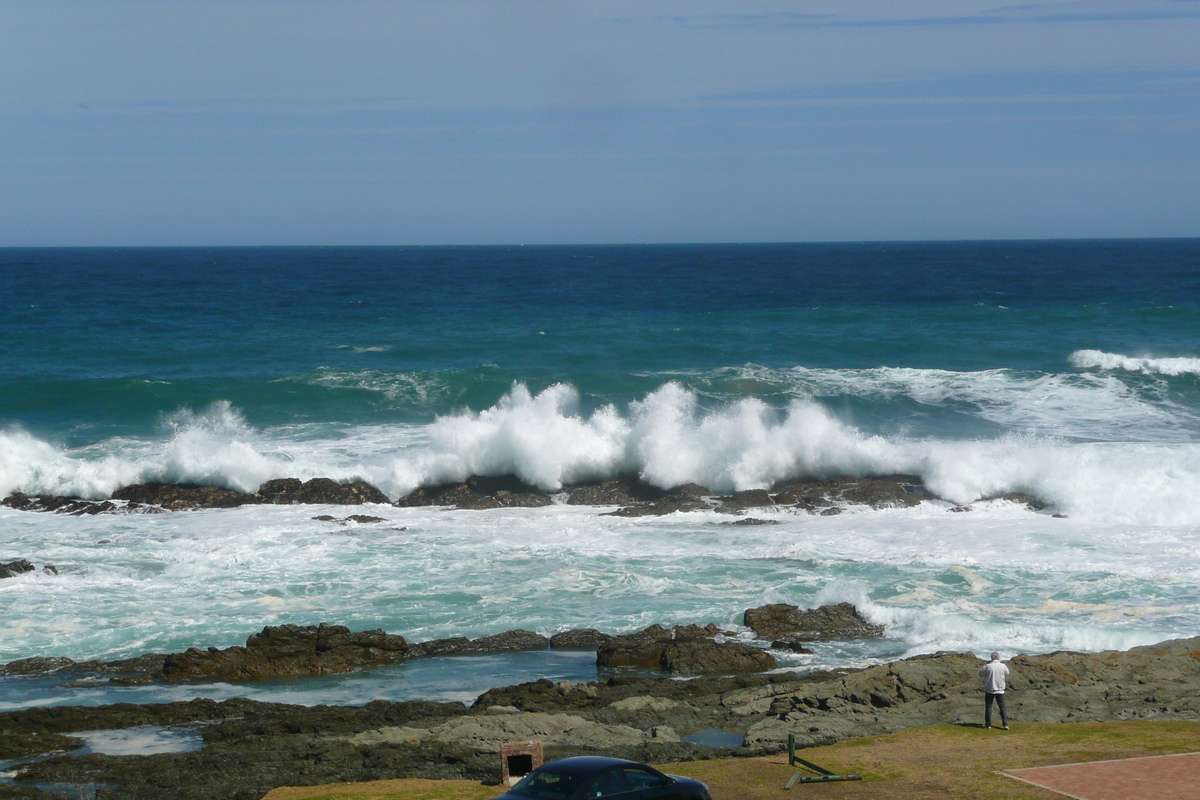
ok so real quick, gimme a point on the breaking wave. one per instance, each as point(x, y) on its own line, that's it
point(668, 438)
point(1098, 359)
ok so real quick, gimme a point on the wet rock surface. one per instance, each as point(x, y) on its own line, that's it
point(636, 498)
point(177, 497)
point(687, 657)
point(632, 496)
point(580, 639)
point(479, 494)
point(780, 621)
point(287, 650)
point(153, 498)
point(509, 641)
point(251, 747)
point(319, 491)
point(15, 568)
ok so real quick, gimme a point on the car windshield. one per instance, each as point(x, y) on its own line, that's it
point(546, 784)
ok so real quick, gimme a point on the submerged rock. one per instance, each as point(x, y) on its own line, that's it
point(22, 565)
point(73, 506)
point(780, 621)
point(1022, 498)
point(17, 567)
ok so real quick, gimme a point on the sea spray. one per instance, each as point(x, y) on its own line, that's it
point(1098, 359)
point(666, 438)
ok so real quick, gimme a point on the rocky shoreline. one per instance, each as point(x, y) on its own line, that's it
point(250, 747)
point(307, 650)
point(632, 496)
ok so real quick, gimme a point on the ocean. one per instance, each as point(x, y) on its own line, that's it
point(1065, 369)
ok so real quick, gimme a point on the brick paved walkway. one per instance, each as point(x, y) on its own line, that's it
point(1152, 778)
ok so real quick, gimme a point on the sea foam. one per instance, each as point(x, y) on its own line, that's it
point(667, 437)
point(1098, 359)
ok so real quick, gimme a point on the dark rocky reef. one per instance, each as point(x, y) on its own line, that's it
point(286, 650)
point(509, 641)
point(682, 650)
point(297, 650)
point(180, 496)
point(319, 491)
point(478, 494)
point(74, 506)
point(632, 496)
point(22, 565)
point(151, 498)
point(687, 657)
point(359, 519)
point(636, 498)
point(782, 622)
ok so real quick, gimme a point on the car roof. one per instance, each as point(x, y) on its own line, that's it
point(586, 765)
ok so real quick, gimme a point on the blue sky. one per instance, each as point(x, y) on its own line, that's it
point(531, 121)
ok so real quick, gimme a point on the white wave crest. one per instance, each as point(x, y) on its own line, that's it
point(215, 447)
point(1098, 359)
point(1086, 406)
point(541, 439)
point(667, 438)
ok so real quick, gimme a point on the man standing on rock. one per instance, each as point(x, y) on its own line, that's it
point(995, 675)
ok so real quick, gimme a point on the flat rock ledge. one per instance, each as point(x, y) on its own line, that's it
point(252, 747)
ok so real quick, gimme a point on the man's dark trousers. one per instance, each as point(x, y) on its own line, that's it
point(988, 697)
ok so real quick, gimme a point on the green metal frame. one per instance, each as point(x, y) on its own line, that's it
point(823, 775)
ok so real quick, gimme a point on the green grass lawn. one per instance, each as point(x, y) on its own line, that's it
point(932, 763)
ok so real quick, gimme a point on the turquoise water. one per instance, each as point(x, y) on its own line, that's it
point(1067, 369)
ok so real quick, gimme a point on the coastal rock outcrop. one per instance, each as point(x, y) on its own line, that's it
point(73, 506)
point(580, 639)
point(509, 641)
point(157, 497)
point(632, 496)
point(687, 657)
point(251, 747)
point(319, 491)
point(180, 496)
point(636, 498)
point(888, 491)
point(782, 622)
point(479, 493)
point(22, 565)
point(285, 650)
point(682, 650)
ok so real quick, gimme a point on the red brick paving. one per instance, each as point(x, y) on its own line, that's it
point(1152, 778)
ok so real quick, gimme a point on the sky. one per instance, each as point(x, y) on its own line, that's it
point(293, 122)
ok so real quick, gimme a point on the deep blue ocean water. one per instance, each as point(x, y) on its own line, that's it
point(1070, 369)
point(104, 341)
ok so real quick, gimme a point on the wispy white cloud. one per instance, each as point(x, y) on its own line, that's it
point(942, 14)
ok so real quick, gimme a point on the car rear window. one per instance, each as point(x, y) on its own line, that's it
point(547, 785)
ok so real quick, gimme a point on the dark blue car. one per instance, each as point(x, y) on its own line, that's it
point(591, 776)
